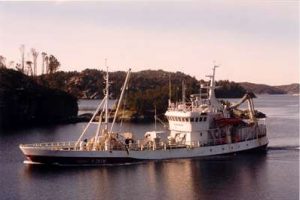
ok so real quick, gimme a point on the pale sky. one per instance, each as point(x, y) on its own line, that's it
point(254, 41)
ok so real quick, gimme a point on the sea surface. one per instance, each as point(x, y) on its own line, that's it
point(271, 175)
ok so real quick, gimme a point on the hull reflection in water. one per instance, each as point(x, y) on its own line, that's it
point(196, 178)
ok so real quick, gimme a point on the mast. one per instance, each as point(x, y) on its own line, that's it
point(155, 118)
point(106, 98)
point(170, 90)
point(121, 98)
point(200, 97)
point(183, 91)
point(214, 103)
point(212, 84)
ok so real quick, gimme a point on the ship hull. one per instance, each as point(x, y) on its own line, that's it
point(65, 157)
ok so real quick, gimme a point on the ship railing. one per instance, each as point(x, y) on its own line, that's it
point(53, 145)
point(180, 107)
point(162, 145)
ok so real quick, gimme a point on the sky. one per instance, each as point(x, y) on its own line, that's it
point(253, 41)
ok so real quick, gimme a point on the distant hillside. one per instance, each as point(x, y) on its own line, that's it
point(290, 89)
point(267, 89)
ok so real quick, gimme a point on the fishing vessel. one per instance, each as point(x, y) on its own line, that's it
point(198, 127)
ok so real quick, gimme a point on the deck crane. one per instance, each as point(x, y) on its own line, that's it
point(249, 98)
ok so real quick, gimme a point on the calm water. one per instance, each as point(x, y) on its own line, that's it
point(274, 175)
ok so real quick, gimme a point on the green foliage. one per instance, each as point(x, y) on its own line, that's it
point(150, 89)
point(229, 89)
point(53, 64)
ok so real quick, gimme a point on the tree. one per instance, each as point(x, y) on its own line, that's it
point(53, 64)
point(19, 67)
point(43, 62)
point(29, 68)
point(34, 56)
point(2, 62)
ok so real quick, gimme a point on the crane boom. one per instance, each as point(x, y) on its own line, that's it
point(247, 97)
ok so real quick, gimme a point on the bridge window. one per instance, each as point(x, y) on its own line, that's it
point(196, 119)
point(200, 119)
point(192, 119)
point(204, 118)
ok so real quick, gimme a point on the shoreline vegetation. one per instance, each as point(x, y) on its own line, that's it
point(52, 98)
point(24, 102)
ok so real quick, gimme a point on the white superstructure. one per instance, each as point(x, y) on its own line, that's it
point(204, 119)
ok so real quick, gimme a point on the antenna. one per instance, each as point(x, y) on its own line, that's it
point(170, 90)
point(183, 91)
point(155, 117)
point(106, 96)
point(200, 92)
point(105, 64)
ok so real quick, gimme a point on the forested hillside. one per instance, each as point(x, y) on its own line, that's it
point(147, 89)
